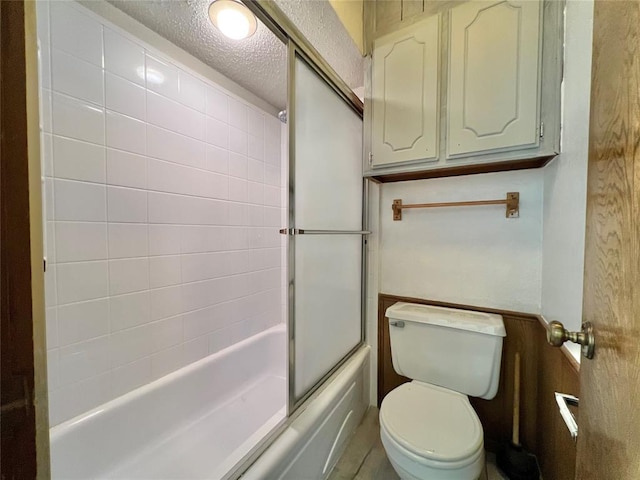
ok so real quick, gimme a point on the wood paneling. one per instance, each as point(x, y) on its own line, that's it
point(411, 8)
point(387, 13)
point(385, 16)
point(556, 450)
point(609, 439)
point(465, 170)
point(544, 370)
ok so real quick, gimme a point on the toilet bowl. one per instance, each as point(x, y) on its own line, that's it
point(441, 442)
point(428, 427)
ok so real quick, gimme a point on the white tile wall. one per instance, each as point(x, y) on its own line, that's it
point(163, 200)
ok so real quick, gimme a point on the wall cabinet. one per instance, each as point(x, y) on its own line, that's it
point(406, 95)
point(478, 83)
point(492, 92)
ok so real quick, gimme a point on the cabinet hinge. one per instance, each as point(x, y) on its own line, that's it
point(370, 158)
point(541, 129)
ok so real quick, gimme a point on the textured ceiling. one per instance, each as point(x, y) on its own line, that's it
point(319, 23)
point(258, 63)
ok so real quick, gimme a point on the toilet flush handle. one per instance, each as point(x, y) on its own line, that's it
point(557, 335)
point(398, 323)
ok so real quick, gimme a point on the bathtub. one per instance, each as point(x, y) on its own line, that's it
point(314, 439)
point(196, 423)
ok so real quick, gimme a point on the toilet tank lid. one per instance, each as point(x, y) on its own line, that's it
point(486, 323)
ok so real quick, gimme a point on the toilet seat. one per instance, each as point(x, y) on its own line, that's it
point(426, 428)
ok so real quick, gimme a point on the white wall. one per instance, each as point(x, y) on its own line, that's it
point(467, 255)
point(565, 179)
point(163, 201)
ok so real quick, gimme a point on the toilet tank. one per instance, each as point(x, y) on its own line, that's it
point(456, 349)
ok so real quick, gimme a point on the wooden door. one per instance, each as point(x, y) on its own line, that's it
point(405, 94)
point(493, 86)
point(609, 423)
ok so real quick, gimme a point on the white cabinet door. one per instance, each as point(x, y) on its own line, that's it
point(405, 94)
point(493, 86)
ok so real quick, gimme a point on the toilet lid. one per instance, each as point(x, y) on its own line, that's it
point(431, 421)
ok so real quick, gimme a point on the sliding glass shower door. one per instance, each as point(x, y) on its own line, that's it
point(326, 229)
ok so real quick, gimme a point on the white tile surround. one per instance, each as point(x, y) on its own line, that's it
point(163, 203)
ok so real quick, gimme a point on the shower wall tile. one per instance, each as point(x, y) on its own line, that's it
point(164, 271)
point(174, 116)
point(124, 97)
point(163, 199)
point(83, 321)
point(75, 33)
point(162, 76)
point(68, 206)
point(173, 147)
point(46, 107)
point(123, 57)
point(191, 91)
point(128, 240)
point(217, 104)
point(46, 147)
point(256, 123)
point(166, 361)
point(80, 241)
point(77, 160)
point(131, 376)
point(217, 133)
point(126, 205)
point(256, 147)
point(126, 133)
point(217, 159)
point(52, 328)
point(77, 78)
point(237, 141)
point(77, 119)
point(238, 114)
point(128, 311)
point(126, 169)
point(80, 281)
point(128, 275)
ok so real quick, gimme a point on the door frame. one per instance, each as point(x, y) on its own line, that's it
point(25, 432)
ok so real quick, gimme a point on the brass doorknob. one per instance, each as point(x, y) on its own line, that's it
point(557, 335)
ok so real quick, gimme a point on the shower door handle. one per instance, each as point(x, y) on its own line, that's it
point(302, 231)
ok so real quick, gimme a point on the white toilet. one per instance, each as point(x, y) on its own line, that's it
point(428, 427)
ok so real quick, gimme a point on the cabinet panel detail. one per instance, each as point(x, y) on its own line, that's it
point(405, 94)
point(493, 93)
point(402, 85)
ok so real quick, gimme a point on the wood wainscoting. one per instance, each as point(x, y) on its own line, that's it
point(544, 370)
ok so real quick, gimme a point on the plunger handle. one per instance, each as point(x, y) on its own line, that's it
point(515, 437)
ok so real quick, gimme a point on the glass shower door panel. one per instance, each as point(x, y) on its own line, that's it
point(328, 156)
point(327, 215)
point(328, 303)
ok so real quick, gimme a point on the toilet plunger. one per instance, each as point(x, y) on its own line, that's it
point(513, 459)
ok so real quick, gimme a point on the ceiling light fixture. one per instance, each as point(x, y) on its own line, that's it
point(233, 19)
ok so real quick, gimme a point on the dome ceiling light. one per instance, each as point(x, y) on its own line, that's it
point(233, 19)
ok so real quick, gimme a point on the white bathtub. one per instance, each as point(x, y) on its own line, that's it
point(196, 423)
point(314, 440)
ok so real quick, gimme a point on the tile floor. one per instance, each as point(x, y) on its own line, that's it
point(365, 459)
